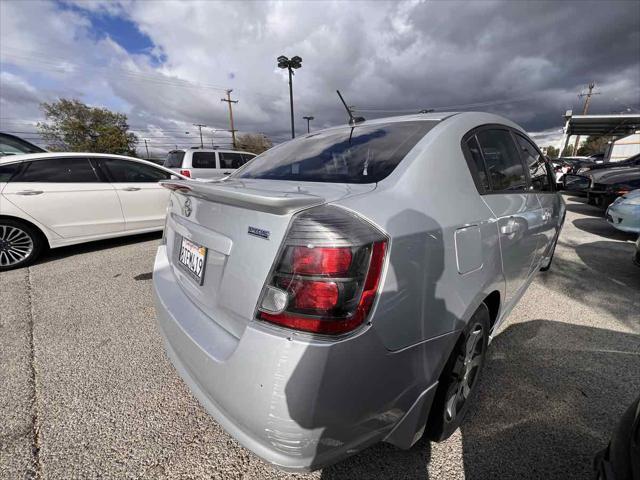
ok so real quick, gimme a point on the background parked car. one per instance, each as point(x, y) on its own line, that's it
point(12, 145)
point(206, 163)
point(610, 184)
point(567, 165)
point(57, 199)
point(629, 162)
point(624, 212)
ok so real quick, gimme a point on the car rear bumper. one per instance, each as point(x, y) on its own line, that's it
point(298, 402)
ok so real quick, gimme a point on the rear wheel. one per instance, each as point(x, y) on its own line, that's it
point(460, 378)
point(20, 244)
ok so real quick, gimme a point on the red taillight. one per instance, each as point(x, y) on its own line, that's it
point(312, 295)
point(321, 288)
point(321, 260)
point(186, 173)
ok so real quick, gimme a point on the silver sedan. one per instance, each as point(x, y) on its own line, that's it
point(342, 288)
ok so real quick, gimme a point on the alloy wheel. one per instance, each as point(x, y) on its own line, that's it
point(15, 245)
point(466, 372)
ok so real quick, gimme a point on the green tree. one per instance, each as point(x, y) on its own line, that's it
point(253, 142)
point(72, 126)
point(594, 144)
point(567, 151)
point(552, 152)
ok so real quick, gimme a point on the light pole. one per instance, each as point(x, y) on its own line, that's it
point(294, 63)
point(308, 119)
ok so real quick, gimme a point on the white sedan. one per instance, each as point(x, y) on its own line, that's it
point(50, 200)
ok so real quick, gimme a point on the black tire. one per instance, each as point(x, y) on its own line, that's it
point(20, 244)
point(461, 372)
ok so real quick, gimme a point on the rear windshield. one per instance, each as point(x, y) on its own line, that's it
point(360, 154)
point(174, 160)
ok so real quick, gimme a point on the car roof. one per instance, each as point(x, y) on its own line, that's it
point(223, 150)
point(50, 155)
point(29, 157)
point(621, 175)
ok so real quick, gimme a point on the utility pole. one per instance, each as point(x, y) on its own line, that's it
point(199, 125)
point(308, 119)
point(233, 130)
point(146, 148)
point(585, 109)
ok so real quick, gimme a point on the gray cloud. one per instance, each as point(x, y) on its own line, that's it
point(384, 57)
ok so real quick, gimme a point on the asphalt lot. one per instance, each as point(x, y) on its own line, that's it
point(87, 392)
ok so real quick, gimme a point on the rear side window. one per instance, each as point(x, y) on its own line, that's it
point(125, 171)
point(8, 171)
point(58, 170)
point(478, 164)
point(537, 165)
point(360, 154)
point(174, 160)
point(231, 160)
point(203, 160)
point(502, 160)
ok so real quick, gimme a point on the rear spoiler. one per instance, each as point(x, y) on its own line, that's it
point(238, 195)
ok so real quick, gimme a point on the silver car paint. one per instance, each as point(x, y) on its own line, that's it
point(302, 402)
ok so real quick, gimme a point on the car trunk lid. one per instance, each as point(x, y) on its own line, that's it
point(241, 223)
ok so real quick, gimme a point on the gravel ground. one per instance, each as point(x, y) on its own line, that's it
point(87, 392)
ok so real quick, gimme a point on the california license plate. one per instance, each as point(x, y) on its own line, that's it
point(192, 258)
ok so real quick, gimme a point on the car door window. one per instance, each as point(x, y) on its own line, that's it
point(126, 171)
point(535, 161)
point(231, 160)
point(203, 160)
point(504, 167)
point(58, 170)
point(8, 171)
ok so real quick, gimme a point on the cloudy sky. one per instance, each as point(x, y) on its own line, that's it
point(167, 65)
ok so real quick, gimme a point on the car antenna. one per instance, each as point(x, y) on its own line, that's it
point(352, 120)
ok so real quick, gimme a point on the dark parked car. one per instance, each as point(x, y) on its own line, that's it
point(621, 459)
point(566, 166)
point(615, 183)
point(629, 162)
point(12, 145)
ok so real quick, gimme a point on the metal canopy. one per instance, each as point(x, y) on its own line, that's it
point(613, 125)
point(603, 125)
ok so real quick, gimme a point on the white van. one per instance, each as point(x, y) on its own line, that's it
point(206, 163)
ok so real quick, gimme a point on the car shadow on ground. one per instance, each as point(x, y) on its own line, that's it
point(584, 208)
point(63, 252)
point(550, 397)
point(600, 227)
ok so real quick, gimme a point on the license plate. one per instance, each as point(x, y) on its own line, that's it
point(192, 258)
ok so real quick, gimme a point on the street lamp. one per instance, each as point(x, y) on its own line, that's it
point(308, 119)
point(290, 64)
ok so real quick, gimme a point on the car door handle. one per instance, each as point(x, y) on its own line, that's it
point(29, 192)
point(226, 173)
point(510, 227)
point(131, 189)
